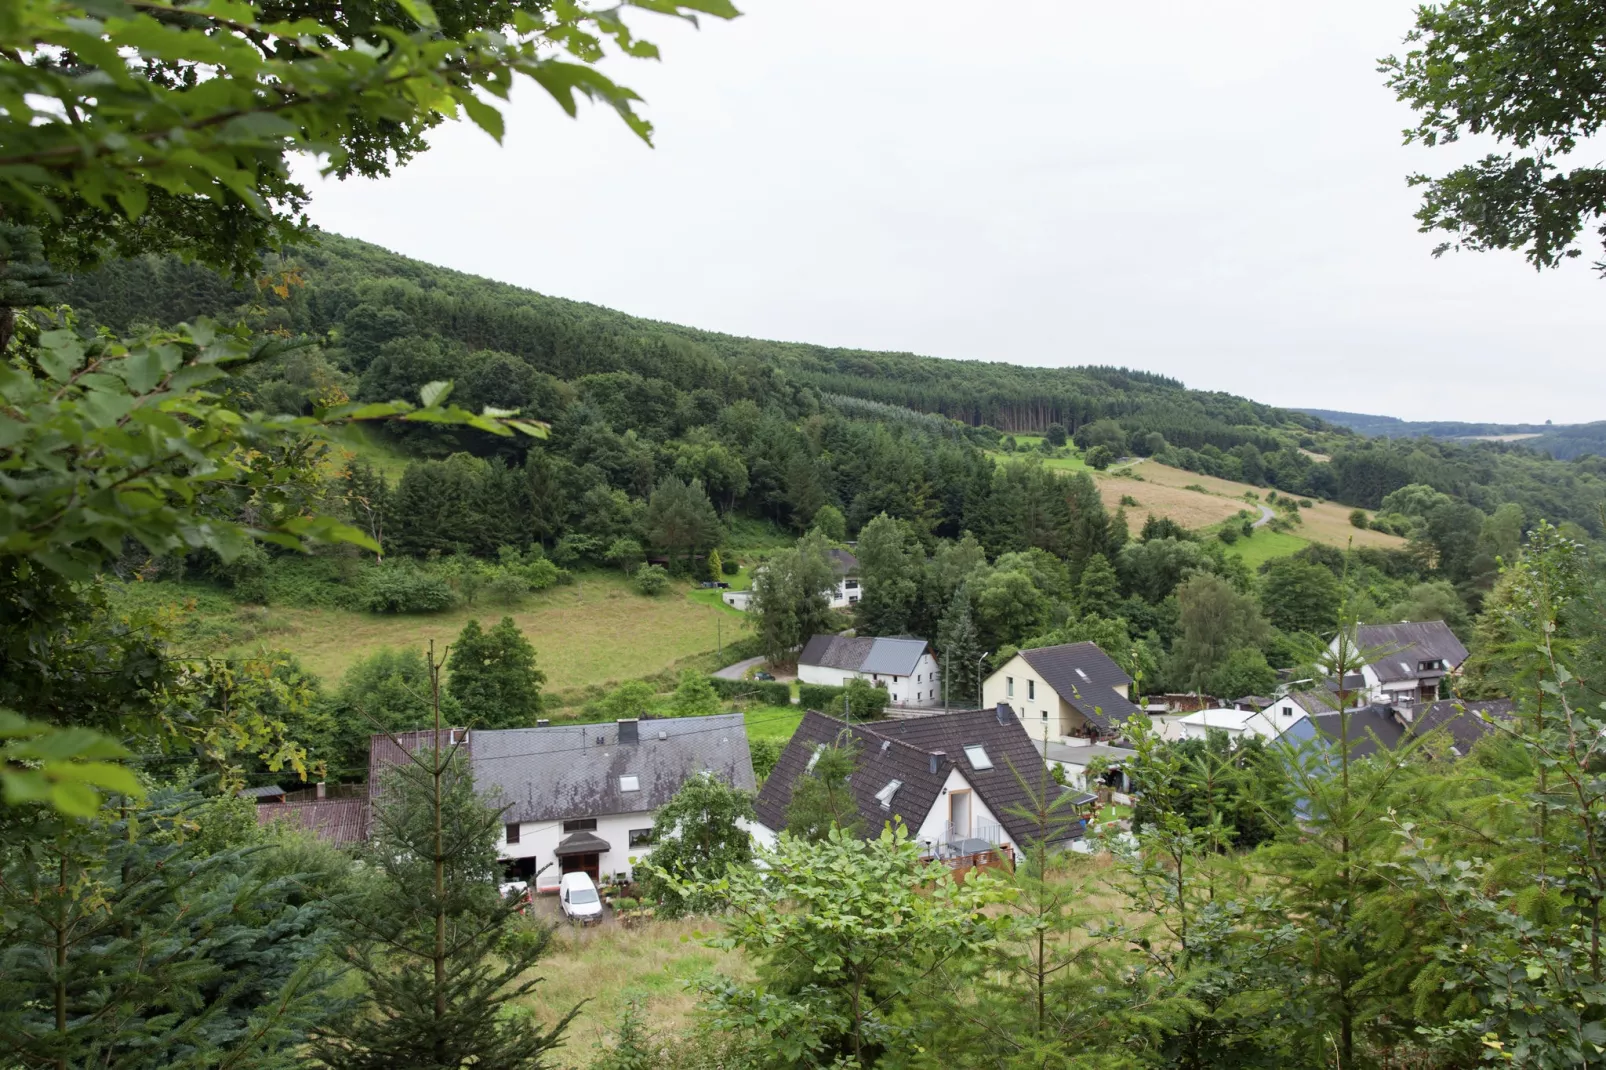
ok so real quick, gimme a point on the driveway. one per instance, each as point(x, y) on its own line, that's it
point(1266, 515)
point(739, 670)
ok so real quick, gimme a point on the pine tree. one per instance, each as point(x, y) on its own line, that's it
point(26, 279)
point(493, 676)
point(1098, 594)
point(959, 647)
point(440, 953)
point(130, 941)
point(821, 798)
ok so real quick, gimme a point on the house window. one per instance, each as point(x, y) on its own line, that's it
point(1009, 687)
point(641, 837)
point(978, 757)
point(1288, 711)
point(513, 832)
point(1031, 689)
point(581, 824)
point(630, 782)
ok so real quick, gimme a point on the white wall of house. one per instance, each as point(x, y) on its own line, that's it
point(847, 592)
point(1029, 695)
point(539, 839)
point(921, 688)
point(934, 826)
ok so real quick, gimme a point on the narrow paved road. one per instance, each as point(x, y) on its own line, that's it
point(1266, 514)
point(737, 671)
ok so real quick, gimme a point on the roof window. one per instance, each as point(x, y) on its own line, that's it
point(978, 757)
point(813, 758)
point(884, 796)
point(630, 782)
point(1082, 674)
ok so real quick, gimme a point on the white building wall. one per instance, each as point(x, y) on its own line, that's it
point(539, 839)
point(922, 688)
point(933, 827)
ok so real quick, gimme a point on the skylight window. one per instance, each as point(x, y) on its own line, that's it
point(884, 796)
point(815, 757)
point(1082, 674)
point(978, 757)
point(629, 783)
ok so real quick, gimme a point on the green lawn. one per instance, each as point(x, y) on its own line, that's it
point(773, 722)
point(1266, 545)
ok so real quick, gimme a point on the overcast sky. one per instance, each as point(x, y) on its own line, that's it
point(1213, 191)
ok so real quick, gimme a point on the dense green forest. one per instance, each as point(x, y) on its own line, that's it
point(386, 325)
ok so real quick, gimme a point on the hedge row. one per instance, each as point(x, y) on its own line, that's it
point(760, 692)
point(817, 696)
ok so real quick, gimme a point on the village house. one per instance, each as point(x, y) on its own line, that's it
point(844, 595)
point(1408, 662)
point(574, 796)
point(904, 666)
point(1237, 723)
point(955, 780)
point(1074, 693)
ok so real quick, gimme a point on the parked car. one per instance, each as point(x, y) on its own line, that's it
point(709, 585)
point(578, 898)
point(519, 891)
point(763, 676)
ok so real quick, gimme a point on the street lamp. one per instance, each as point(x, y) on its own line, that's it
point(979, 662)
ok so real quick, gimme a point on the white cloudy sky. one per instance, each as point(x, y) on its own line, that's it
point(1214, 191)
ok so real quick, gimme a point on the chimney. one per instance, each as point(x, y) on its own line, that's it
point(936, 760)
point(320, 790)
point(542, 722)
point(629, 730)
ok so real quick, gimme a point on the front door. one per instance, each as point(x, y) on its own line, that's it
point(959, 813)
point(587, 864)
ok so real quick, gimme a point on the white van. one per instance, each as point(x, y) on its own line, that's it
point(579, 899)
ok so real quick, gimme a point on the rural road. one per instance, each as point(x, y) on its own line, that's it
point(735, 672)
point(1266, 514)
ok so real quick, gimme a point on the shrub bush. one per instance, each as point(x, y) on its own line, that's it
point(405, 589)
point(651, 580)
point(1357, 518)
point(766, 753)
point(758, 692)
point(729, 566)
point(817, 696)
point(1229, 534)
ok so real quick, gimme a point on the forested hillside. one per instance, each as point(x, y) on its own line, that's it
point(1562, 441)
point(386, 325)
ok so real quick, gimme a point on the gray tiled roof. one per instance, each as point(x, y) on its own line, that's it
point(907, 750)
point(835, 652)
point(844, 562)
point(1092, 689)
point(1460, 718)
point(1369, 728)
point(888, 657)
point(1400, 647)
point(570, 771)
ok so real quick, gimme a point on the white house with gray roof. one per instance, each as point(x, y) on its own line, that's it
point(584, 796)
point(1407, 662)
point(905, 667)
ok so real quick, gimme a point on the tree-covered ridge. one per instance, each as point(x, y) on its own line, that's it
point(389, 324)
point(1562, 441)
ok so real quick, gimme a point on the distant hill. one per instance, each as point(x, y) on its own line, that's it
point(1561, 441)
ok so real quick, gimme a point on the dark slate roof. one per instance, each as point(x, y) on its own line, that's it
point(570, 771)
point(1460, 718)
point(844, 562)
point(582, 843)
point(1086, 677)
point(904, 750)
point(835, 652)
point(1369, 727)
point(331, 820)
point(266, 791)
point(1402, 646)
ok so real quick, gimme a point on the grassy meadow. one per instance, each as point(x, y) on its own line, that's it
point(1265, 545)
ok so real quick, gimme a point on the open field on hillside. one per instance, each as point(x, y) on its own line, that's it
point(1324, 522)
point(1189, 508)
point(594, 631)
point(1265, 545)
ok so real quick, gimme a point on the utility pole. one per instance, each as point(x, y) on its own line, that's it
point(945, 660)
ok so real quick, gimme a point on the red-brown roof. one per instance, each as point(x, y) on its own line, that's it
point(331, 820)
